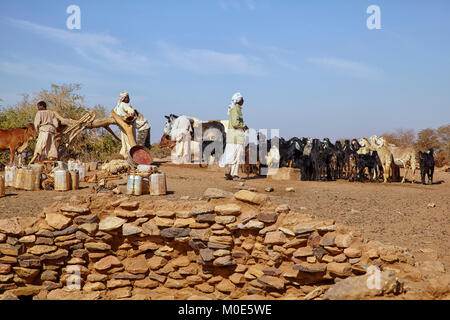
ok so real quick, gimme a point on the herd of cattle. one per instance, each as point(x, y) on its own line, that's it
point(352, 160)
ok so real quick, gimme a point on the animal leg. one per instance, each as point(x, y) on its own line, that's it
point(386, 170)
point(406, 172)
point(12, 156)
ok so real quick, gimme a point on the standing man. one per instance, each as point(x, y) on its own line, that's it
point(45, 124)
point(234, 150)
point(181, 133)
point(125, 116)
point(143, 129)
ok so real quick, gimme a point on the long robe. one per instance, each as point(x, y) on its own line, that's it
point(45, 123)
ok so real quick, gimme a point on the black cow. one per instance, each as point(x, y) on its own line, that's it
point(426, 161)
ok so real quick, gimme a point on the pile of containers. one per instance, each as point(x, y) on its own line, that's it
point(146, 180)
point(66, 176)
point(77, 165)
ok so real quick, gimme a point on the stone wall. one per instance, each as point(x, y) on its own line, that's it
point(235, 248)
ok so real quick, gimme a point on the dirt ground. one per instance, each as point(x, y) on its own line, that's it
point(392, 213)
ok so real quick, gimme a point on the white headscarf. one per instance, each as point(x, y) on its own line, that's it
point(235, 99)
point(122, 96)
point(123, 109)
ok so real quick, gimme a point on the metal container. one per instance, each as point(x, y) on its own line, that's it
point(37, 171)
point(75, 180)
point(158, 184)
point(62, 180)
point(10, 173)
point(62, 165)
point(19, 178)
point(81, 168)
point(2, 186)
point(139, 155)
point(29, 179)
point(134, 184)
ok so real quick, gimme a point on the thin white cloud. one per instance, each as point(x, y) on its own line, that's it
point(278, 56)
point(43, 70)
point(101, 49)
point(352, 68)
point(237, 4)
point(204, 61)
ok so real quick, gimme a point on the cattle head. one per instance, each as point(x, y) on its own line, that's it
point(308, 147)
point(364, 142)
point(31, 131)
point(355, 145)
point(169, 123)
point(261, 137)
point(316, 144)
point(166, 142)
point(379, 142)
point(373, 140)
point(347, 145)
point(327, 144)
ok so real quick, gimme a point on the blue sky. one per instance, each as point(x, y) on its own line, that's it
point(308, 68)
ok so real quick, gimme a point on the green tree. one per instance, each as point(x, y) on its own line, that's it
point(90, 145)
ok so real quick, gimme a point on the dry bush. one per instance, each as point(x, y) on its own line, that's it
point(401, 137)
point(160, 152)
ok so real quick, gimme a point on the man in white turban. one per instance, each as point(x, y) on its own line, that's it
point(234, 149)
point(125, 116)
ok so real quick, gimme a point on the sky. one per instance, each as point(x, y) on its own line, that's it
point(307, 68)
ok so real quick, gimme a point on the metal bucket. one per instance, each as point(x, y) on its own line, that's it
point(139, 155)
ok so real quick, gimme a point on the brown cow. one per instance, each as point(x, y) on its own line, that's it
point(16, 140)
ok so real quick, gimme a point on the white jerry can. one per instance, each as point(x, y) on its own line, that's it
point(158, 184)
point(62, 180)
point(134, 184)
point(10, 172)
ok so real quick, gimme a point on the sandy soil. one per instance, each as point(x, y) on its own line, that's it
point(392, 213)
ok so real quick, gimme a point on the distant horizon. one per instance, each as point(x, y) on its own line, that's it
point(310, 69)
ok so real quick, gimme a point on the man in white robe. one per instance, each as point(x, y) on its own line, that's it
point(125, 115)
point(45, 123)
point(181, 133)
